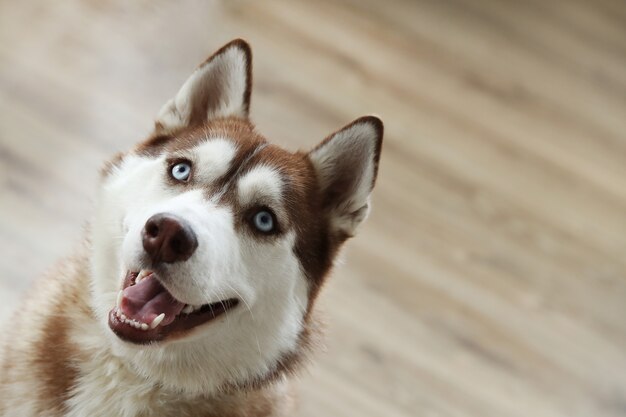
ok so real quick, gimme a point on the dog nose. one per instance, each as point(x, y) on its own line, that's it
point(168, 238)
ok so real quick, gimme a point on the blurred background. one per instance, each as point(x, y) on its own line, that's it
point(490, 279)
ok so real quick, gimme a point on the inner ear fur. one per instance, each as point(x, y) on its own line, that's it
point(346, 165)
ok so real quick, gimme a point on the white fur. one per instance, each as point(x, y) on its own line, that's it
point(109, 386)
point(213, 159)
point(261, 184)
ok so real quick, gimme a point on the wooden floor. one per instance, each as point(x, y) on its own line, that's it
point(490, 279)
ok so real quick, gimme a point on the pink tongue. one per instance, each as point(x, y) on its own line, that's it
point(146, 300)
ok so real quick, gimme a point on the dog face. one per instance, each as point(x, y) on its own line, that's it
point(210, 244)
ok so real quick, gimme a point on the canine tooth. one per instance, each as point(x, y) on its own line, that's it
point(188, 309)
point(142, 274)
point(122, 317)
point(157, 320)
point(144, 326)
point(119, 298)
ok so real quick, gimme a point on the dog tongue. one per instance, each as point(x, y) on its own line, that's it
point(146, 300)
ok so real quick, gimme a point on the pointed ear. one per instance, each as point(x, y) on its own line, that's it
point(219, 87)
point(346, 164)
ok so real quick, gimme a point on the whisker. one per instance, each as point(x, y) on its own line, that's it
point(258, 345)
point(223, 294)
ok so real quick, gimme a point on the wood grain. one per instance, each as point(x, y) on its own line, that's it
point(490, 279)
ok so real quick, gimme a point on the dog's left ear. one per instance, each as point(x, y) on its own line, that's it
point(346, 164)
point(219, 87)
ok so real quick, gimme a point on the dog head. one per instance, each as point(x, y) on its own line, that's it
point(210, 244)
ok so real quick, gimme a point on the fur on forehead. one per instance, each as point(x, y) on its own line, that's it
point(240, 131)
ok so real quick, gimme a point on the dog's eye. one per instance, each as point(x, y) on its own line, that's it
point(264, 221)
point(181, 171)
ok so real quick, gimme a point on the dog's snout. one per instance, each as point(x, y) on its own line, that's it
point(168, 238)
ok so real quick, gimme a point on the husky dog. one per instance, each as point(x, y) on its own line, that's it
point(194, 293)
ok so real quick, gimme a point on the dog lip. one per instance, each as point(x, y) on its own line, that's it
point(171, 329)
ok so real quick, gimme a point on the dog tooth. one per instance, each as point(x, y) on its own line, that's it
point(157, 320)
point(119, 298)
point(123, 317)
point(144, 326)
point(188, 309)
point(142, 274)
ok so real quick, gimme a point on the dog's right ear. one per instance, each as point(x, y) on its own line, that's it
point(219, 87)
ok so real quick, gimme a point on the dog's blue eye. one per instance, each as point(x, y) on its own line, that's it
point(264, 221)
point(181, 171)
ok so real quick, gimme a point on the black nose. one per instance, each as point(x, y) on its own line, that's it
point(167, 238)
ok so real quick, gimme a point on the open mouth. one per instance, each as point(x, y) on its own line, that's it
point(146, 312)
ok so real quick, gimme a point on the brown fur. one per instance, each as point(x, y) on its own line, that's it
point(44, 358)
point(54, 364)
